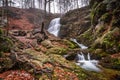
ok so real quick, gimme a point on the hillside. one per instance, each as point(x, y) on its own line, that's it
point(86, 45)
point(27, 19)
point(76, 22)
point(98, 28)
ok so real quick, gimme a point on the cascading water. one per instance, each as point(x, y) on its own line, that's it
point(54, 27)
point(80, 45)
point(87, 64)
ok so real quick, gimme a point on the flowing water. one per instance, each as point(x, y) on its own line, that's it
point(80, 45)
point(54, 27)
point(87, 64)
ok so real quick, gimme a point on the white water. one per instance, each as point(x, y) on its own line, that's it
point(80, 45)
point(54, 27)
point(87, 64)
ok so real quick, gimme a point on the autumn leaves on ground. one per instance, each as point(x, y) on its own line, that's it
point(29, 52)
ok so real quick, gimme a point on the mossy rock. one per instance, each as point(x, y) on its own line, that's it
point(5, 63)
point(47, 44)
point(98, 53)
point(57, 50)
point(108, 41)
point(37, 55)
point(70, 44)
point(5, 44)
point(112, 63)
point(111, 40)
point(86, 38)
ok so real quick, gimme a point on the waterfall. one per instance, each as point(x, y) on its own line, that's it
point(87, 64)
point(80, 45)
point(54, 27)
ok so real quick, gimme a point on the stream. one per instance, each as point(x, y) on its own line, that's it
point(87, 64)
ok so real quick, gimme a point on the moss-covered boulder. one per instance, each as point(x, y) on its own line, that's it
point(5, 43)
point(47, 44)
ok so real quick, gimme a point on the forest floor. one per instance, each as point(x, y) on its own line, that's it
point(37, 55)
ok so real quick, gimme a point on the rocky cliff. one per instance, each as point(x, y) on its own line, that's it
point(96, 26)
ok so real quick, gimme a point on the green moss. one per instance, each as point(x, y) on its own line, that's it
point(47, 44)
point(5, 44)
point(5, 63)
point(116, 63)
point(1, 54)
point(1, 32)
point(87, 37)
point(97, 11)
point(111, 40)
point(108, 40)
point(92, 14)
point(119, 46)
point(69, 44)
point(106, 17)
point(57, 50)
point(100, 29)
point(111, 63)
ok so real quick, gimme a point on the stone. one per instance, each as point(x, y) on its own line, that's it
point(47, 44)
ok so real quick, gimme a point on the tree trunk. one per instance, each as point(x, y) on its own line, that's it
point(49, 6)
point(45, 4)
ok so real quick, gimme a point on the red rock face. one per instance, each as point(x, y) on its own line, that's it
point(16, 75)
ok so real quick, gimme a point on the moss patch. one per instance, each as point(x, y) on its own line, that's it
point(56, 50)
point(5, 44)
point(69, 44)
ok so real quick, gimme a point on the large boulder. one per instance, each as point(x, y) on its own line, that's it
point(5, 44)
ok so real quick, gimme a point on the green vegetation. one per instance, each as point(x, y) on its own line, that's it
point(70, 44)
point(1, 32)
point(5, 44)
point(106, 17)
point(57, 50)
point(87, 37)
